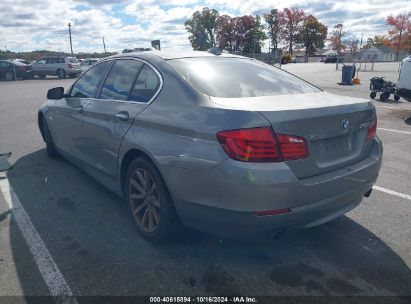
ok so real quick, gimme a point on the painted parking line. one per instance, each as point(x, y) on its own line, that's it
point(48, 268)
point(406, 196)
point(392, 130)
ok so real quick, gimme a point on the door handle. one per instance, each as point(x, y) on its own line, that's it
point(123, 116)
point(80, 109)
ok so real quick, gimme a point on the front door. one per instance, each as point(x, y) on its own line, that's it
point(127, 90)
point(66, 115)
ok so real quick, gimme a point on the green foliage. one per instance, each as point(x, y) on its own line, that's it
point(312, 35)
point(273, 23)
point(201, 28)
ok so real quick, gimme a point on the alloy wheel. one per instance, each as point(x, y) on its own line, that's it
point(144, 200)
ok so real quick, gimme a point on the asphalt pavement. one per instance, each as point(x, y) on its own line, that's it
point(90, 237)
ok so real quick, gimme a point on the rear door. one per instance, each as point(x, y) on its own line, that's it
point(128, 89)
point(51, 66)
point(65, 117)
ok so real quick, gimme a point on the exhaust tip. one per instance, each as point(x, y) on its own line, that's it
point(368, 193)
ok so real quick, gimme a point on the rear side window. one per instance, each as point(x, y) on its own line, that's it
point(51, 60)
point(237, 77)
point(4, 64)
point(120, 79)
point(86, 86)
point(146, 85)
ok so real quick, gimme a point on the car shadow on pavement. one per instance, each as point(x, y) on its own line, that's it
point(92, 238)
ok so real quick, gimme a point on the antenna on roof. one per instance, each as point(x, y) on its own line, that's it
point(214, 50)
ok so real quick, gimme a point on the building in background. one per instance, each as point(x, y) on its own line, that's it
point(382, 53)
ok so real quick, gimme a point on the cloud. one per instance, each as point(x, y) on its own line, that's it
point(28, 25)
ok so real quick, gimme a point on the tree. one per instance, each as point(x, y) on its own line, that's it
point(312, 36)
point(273, 22)
point(352, 43)
point(377, 41)
point(248, 34)
point(336, 38)
point(400, 30)
point(226, 33)
point(201, 28)
point(290, 20)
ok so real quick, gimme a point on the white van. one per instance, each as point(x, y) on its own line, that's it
point(404, 80)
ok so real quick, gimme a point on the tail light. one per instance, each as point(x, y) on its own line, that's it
point(262, 145)
point(372, 130)
point(70, 66)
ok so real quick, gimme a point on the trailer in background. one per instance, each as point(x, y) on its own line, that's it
point(404, 80)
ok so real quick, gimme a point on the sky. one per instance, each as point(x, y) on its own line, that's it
point(33, 24)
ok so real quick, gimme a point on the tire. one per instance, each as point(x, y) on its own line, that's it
point(150, 203)
point(50, 147)
point(384, 96)
point(397, 97)
point(9, 76)
point(61, 73)
point(373, 95)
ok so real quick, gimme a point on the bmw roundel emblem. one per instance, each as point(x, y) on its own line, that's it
point(345, 124)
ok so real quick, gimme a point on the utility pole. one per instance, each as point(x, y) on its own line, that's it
point(71, 44)
point(104, 45)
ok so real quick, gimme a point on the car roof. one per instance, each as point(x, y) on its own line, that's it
point(168, 55)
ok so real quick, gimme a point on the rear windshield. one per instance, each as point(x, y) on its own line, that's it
point(238, 77)
point(73, 60)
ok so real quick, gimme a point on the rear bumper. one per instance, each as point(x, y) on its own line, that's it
point(74, 71)
point(224, 200)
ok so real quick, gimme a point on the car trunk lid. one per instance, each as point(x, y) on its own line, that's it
point(335, 127)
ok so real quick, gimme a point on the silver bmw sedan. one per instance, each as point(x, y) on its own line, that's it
point(220, 143)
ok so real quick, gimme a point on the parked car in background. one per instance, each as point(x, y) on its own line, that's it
point(23, 61)
point(57, 66)
point(221, 143)
point(12, 69)
point(333, 59)
point(89, 61)
point(404, 80)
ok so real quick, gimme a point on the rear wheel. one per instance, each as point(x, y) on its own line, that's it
point(61, 73)
point(373, 95)
point(50, 147)
point(9, 76)
point(151, 205)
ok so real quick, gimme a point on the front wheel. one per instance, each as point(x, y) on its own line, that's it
point(61, 74)
point(50, 147)
point(9, 76)
point(150, 202)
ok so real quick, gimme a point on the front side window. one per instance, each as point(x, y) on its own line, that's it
point(51, 60)
point(86, 86)
point(146, 85)
point(120, 79)
point(41, 61)
point(237, 77)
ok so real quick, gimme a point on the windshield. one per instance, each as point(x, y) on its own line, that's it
point(73, 60)
point(237, 77)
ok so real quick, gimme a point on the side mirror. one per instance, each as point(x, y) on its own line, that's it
point(55, 93)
